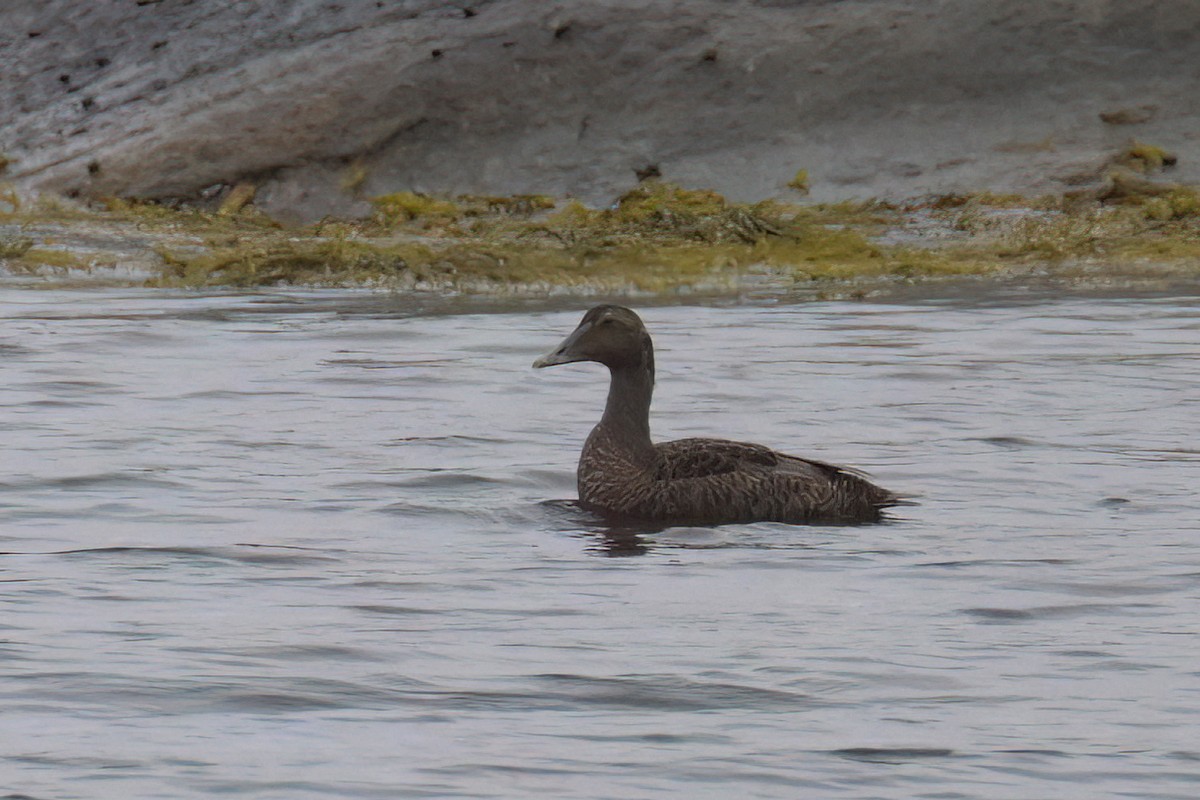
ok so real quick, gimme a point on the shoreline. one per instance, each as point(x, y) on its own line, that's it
point(658, 240)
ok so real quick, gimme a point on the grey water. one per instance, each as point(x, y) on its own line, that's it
point(320, 545)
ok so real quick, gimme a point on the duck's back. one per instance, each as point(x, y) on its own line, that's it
point(712, 481)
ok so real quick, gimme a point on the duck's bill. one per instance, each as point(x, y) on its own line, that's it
point(562, 355)
point(565, 352)
point(552, 359)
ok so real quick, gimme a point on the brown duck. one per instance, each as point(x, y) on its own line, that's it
point(699, 481)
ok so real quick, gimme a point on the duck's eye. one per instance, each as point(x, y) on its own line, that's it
point(606, 321)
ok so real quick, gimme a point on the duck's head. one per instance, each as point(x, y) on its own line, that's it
point(611, 335)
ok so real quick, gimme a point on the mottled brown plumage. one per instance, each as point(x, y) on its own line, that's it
point(705, 481)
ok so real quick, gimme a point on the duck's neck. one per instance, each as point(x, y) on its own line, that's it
point(627, 414)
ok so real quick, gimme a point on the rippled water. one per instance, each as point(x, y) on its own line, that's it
point(296, 545)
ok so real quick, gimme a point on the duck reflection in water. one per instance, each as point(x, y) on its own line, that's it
point(604, 535)
point(623, 475)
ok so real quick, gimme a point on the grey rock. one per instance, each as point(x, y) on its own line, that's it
point(875, 98)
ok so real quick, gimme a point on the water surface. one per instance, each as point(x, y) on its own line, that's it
point(297, 545)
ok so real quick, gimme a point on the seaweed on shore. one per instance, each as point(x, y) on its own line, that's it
point(656, 238)
point(653, 238)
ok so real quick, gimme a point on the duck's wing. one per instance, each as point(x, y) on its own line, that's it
point(720, 478)
point(699, 458)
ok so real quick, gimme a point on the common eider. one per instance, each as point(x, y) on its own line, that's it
point(623, 474)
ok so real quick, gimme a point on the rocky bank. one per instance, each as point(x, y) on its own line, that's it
point(321, 105)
